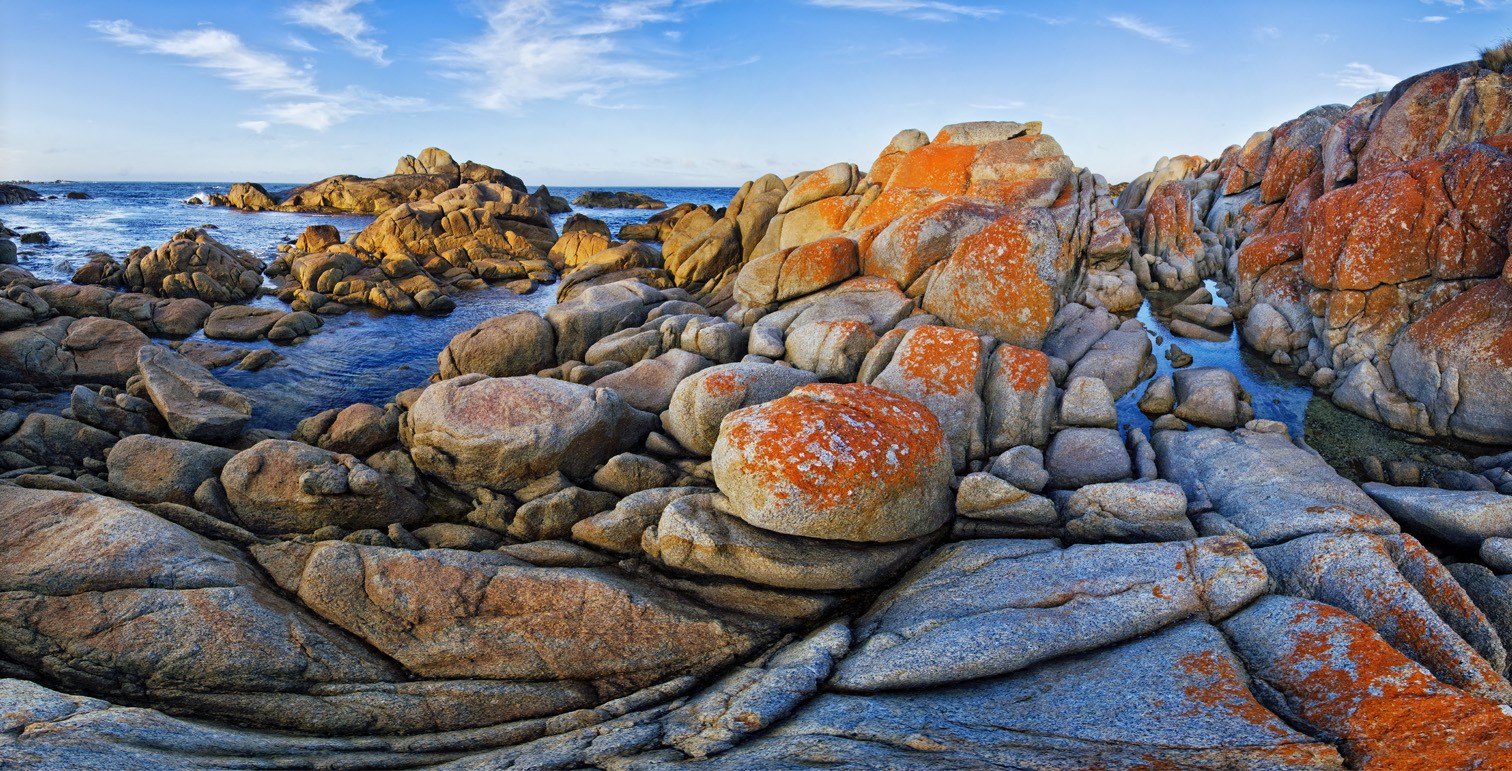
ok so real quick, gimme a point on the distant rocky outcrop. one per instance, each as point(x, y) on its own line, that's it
point(600, 199)
point(14, 194)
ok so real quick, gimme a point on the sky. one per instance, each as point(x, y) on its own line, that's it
point(674, 92)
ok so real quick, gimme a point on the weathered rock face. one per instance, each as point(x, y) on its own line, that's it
point(518, 344)
point(702, 400)
point(520, 623)
point(151, 469)
point(65, 350)
point(944, 369)
point(501, 433)
point(191, 264)
point(280, 486)
point(1455, 362)
point(1440, 108)
point(1004, 280)
point(196, 406)
point(841, 462)
point(498, 221)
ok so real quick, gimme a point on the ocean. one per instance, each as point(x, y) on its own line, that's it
point(362, 356)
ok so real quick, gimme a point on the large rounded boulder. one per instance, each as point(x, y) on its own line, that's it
point(278, 486)
point(518, 344)
point(703, 399)
point(844, 462)
point(501, 433)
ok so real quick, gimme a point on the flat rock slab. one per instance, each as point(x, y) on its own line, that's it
point(1458, 517)
point(1177, 699)
point(196, 406)
point(1266, 489)
point(992, 607)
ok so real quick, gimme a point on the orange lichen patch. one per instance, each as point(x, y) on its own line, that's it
point(1343, 678)
point(913, 243)
point(1501, 142)
point(1344, 307)
point(1436, 584)
point(1472, 187)
point(945, 169)
point(727, 382)
point(1019, 192)
point(1368, 234)
point(813, 447)
point(824, 183)
point(1293, 211)
point(1221, 690)
point(814, 266)
point(991, 284)
point(1261, 253)
point(944, 360)
point(1168, 221)
point(895, 202)
point(834, 211)
point(1478, 324)
point(1283, 285)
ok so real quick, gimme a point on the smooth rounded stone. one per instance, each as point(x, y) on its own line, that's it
point(182, 317)
point(450, 535)
point(1017, 256)
point(848, 462)
point(753, 697)
point(1121, 359)
point(195, 405)
point(991, 607)
point(1235, 474)
point(1084, 456)
point(501, 433)
point(152, 469)
point(1168, 423)
point(986, 497)
point(541, 487)
point(1023, 467)
point(594, 314)
point(1176, 699)
point(692, 535)
point(629, 473)
point(1178, 356)
point(293, 326)
point(1075, 329)
point(619, 530)
point(556, 554)
point(523, 623)
point(1159, 397)
point(1460, 518)
point(552, 516)
point(358, 429)
point(1128, 513)
point(1211, 396)
point(521, 343)
point(703, 399)
point(833, 350)
point(279, 486)
point(1496, 552)
point(1327, 671)
point(1087, 402)
point(649, 384)
point(1393, 584)
point(241, 322)
point(1204, 314)
point(113, 411)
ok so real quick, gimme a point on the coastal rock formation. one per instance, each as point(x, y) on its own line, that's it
point(191, 264)
point(600, 199)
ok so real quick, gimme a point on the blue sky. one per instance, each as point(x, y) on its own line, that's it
point(673, 92)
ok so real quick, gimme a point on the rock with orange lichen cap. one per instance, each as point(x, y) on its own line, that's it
point(1440, 108)
point(793, 273)
point(903, 143)
point(835, 179)
point(1020, 396)
point(943, 368)
point(1297, 151)
point(1004, 280)
point(703, 399)
point(905, 249)
point(845, 462)
point(1328, 672)
point(1457, 361)
point(991, 607)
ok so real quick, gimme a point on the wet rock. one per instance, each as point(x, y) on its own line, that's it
point(844, 462)
point(196, 406)
point(599, 199)
point(241, 322)
point(501, 433)
point(950, 618)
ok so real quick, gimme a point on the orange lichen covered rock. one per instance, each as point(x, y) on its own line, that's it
point(1457, 361)
point(792, 273)
point(1249, 163)
point(1441, 108)
point(822, 218)
point(1168, 222)
point(1001, 281)
point(1333, 674)
point(1444, 215)
point(1025, 171)
point(903, 143)
point(943, 368)
point(913, 243)
point(846, 462)
point(1297, 151)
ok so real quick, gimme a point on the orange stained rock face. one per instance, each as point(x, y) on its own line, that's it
point(894, 202)
point(1223, 691)
point(1477, 323)
point(945, 360)
point(918, 240)
point(817, 265)
point(945, 169)
point(727, 382)
point(1346, 680)
point(1261, 253)
point(991, 284)
point(834, 211)
point(1026, 369)
point(814, 444)
point(1368, 234)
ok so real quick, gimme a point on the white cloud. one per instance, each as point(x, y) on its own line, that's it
point(337, 18)
point(1433, 19)
point(921, 10)
point(542, 50)
point(300, 44)
point(290, 95)
point(217, 50)
point(1356, 76)
point(1149, 31)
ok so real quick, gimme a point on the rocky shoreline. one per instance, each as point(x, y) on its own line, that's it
point(833, 477)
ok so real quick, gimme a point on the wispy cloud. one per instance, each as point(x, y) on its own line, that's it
point(540, 50)
point(291, 96)
point(1149, 31)
point(1433, 19)
point(920, 10)
point(1356, 77)
point(338, 18)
